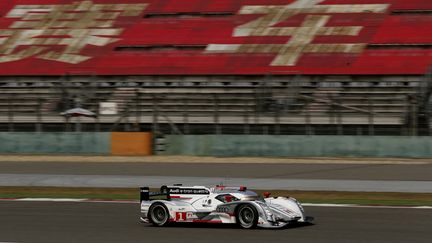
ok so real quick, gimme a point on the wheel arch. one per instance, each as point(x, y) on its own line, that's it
point(256, 208)
point(161, 203)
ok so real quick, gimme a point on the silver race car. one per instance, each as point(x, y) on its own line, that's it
point(219, 204)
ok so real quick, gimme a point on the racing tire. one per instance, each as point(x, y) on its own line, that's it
point(247, 216)
point(158, 214)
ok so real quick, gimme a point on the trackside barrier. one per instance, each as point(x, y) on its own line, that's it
point(85, 143)
point(55, 143)
point(299, 146)
point(131, 143)
point(160, 145)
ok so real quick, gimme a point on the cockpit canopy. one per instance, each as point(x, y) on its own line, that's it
point(233, 196)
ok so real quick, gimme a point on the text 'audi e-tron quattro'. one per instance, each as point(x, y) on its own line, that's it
point(219, 204)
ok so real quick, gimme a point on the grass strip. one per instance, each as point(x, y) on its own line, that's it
point(361, 198)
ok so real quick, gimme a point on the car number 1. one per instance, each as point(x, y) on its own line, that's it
point(180, 216)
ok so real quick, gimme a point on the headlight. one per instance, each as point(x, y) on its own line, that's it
point(299, 205)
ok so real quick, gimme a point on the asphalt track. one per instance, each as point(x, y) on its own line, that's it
point(417, 172)
point(108, 222)
point(116, 181)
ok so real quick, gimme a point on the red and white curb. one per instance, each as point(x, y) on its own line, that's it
point(86, 200)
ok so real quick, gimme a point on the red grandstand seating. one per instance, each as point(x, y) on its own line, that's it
point(174, 37)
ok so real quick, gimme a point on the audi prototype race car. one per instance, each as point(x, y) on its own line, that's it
point(220, 204)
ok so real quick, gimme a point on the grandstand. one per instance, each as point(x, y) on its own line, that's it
point(217, 66)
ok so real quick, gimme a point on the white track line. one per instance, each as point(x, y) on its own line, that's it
point(136, 202)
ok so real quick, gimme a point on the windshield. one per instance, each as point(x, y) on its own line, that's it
point(253, 198)
point(226, 198)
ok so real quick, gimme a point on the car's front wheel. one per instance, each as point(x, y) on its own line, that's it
point(247, 216)
point(158, 214)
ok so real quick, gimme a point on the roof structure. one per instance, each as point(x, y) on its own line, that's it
point(215, 37)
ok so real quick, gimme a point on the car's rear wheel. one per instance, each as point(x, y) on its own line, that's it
point(158, 214)
point(247, 216)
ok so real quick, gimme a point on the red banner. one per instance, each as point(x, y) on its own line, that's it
point(195, 37)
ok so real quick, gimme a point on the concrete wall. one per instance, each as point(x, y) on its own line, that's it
point(76, 143)
point(55, 143)
point(300, 146)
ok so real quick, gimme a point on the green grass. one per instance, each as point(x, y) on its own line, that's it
point(361, 198)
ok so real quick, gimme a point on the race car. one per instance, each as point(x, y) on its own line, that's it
point(219, 204)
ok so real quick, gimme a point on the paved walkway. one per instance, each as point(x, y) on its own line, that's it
point(255, 183)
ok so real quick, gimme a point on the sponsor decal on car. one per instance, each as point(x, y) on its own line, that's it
point(188, 191)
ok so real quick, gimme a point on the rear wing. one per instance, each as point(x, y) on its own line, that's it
point(147, 195)
point(144, 193)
